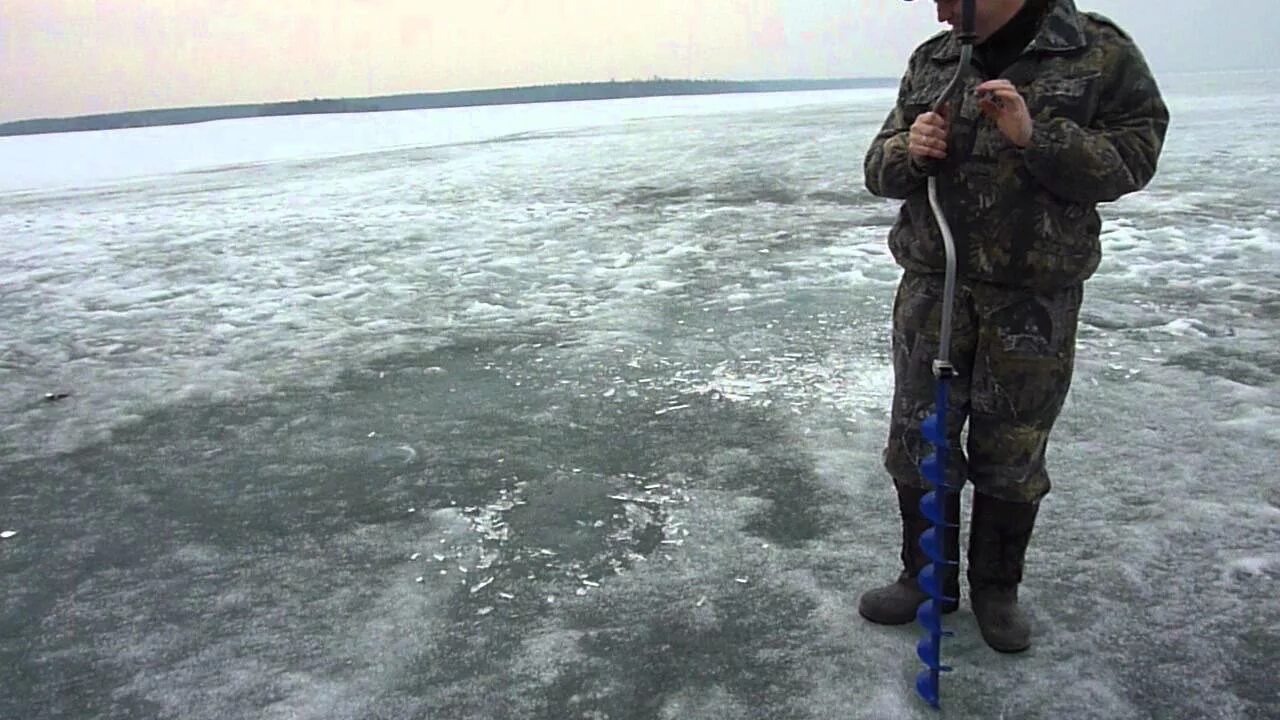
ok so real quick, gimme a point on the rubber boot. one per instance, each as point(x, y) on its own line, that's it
point(998, 536)
point(897, 602)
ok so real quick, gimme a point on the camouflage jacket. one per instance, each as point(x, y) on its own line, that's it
point(1025, 217)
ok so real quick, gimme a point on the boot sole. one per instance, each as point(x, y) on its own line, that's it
point(982, 608)
point(1007, 649)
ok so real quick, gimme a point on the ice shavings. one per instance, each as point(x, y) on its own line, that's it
point(634, 523)
point(1255, 566)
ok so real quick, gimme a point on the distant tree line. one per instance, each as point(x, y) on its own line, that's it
point(563, 92)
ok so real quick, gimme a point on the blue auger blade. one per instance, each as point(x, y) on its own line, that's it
point(930, 617)
point(931, 543)
point(931, 507)
point(930, 581)
point(933, 471)
point(927, 687)
point(933, 431)
point(942, 397)
point(929, 650)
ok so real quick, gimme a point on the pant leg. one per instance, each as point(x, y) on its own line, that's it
point(1023, 365)
point(917, 318)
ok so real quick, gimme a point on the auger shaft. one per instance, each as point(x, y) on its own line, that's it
point(934, 468)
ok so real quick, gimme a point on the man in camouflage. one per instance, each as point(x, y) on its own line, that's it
point(1060, 113)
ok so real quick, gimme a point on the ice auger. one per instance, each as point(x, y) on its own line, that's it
point(934, 468)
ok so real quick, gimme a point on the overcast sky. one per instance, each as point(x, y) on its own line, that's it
point(72, 57)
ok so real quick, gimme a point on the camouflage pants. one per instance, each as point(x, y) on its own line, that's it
point(1014, 351)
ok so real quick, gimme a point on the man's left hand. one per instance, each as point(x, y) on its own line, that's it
point(1001, 101)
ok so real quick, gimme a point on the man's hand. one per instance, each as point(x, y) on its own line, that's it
point(1001, 101)
point(928, 138)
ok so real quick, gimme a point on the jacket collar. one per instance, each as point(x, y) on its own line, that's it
point(1061, 31)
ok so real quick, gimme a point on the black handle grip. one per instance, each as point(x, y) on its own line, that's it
point(968, 22)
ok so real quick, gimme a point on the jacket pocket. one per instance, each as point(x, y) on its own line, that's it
point(1074, 97)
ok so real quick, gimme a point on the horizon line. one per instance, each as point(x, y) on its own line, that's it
point(496, 88)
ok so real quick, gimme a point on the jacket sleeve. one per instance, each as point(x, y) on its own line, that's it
point(1117, 154)
point(888, 169)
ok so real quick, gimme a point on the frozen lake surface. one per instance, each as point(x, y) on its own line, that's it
point(575, 411)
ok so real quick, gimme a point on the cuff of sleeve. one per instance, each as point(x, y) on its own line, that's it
point(1041, 149)
point(917, 167)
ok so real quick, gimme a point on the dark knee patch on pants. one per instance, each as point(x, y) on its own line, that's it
point(1007, 460)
